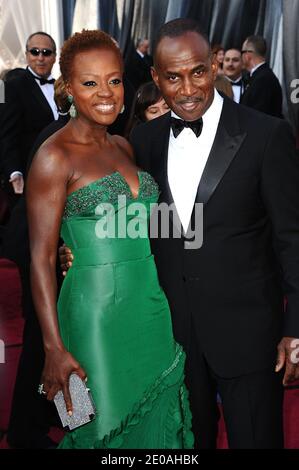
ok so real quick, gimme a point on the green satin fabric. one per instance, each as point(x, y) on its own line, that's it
point(115, 319)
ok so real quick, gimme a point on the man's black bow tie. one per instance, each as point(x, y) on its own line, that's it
point(43, 81)
point(178, 125)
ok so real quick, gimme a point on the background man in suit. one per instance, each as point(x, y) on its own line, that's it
point(227, 297)
point(28, 109)
point(138, 65)
point(263, 91)
point(232, 69)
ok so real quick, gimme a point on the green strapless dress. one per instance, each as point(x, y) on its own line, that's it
point(115, 320)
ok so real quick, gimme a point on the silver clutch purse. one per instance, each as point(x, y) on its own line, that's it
point(83, 406)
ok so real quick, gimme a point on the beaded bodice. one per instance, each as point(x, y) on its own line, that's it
point(107, 190)
point(103, 221)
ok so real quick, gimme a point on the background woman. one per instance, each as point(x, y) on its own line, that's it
point(148, 104)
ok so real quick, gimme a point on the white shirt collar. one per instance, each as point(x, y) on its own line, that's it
point(140, 53)
point(233, 81)
point(256, 67)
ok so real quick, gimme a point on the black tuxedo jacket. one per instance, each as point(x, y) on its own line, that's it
point(25, 113)
point(15, 244)
point(263, 92)
point(232, 288)
point(138, 69)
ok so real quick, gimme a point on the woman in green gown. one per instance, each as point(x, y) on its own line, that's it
point(112, 323)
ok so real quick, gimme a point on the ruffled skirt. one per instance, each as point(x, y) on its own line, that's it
point(115, 320)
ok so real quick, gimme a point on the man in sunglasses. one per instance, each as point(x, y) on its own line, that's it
point(29, 108)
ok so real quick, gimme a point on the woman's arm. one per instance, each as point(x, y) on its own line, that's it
point(45, 199)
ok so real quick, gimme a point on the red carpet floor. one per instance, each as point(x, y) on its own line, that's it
point(11, 326)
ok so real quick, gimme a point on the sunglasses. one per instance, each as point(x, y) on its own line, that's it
point(246, 50)
point(35, 51)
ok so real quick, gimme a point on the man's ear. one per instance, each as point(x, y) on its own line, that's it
point(155, 76)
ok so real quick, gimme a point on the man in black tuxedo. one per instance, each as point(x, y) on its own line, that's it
point(227, 297)
point(232, 69)
point(263, 92)
point(28, 109)
point(138, 65)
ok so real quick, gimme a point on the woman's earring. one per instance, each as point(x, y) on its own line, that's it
point(72, 110)
point(122, 109)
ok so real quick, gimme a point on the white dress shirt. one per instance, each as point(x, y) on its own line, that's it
point(237, 90)
point(48, 91)
point(187, 157)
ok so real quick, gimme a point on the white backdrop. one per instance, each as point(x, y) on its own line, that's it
point(19, 19)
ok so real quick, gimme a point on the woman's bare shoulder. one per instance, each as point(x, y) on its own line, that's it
point(124, 145)
point(52, 158)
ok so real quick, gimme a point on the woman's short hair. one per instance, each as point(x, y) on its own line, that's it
point(85, 41)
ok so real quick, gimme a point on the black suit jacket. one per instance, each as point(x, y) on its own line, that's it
point(263, 92)
point(138, 69)
point(232, 288)
point(25, 113)
point(16, 238)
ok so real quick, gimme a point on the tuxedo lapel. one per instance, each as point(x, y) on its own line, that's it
point(35, 91)
point(227, 142)
point(249, 80)
point(159, 157)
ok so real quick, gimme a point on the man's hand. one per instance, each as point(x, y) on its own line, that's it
point(18, 184)
point(288, 355)
point(66, 258)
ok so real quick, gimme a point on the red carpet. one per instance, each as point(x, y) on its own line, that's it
point(11, 326)
point(11, 329)
point(11, 322)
